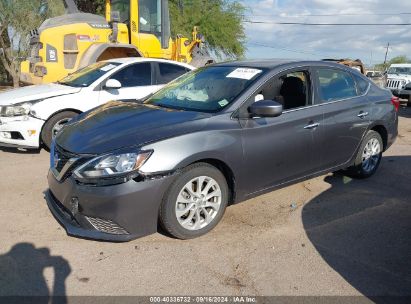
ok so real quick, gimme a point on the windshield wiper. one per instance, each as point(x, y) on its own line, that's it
point(165, 106)
point(63, 83)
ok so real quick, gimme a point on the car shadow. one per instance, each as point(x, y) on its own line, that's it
point(404, 111)
point(362, 229)
point(20, 151)
point(21, 275)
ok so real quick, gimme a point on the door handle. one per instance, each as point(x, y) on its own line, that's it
point(312, 125)
point(362, 114)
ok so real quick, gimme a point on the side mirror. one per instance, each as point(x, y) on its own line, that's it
point(266, 108)
point(115, 16)
point(112, 84)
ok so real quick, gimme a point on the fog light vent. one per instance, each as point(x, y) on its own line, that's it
point(106, 226)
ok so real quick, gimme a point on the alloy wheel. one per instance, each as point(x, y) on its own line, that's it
point(58, 126)
point(371, 155)
point(198, 203)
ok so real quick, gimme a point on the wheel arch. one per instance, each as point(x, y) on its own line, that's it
point(54, 114)
point(104, 51)
point(382, 130)
point(225, 169)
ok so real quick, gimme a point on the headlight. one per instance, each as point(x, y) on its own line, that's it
point(112, 165)
point(18, 109)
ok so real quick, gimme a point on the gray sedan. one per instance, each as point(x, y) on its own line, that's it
point(214, 137)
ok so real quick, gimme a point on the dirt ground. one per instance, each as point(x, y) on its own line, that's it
point(343, 237)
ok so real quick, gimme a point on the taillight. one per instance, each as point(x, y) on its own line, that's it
point(395, 102)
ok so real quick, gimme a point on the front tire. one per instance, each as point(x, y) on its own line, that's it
point(195, 202)
point(368, 157)
point(54, 125)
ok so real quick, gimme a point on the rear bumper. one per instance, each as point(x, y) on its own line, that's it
point(28, 127)
point(118, 213)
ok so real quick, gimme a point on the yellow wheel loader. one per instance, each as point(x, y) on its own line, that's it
point(132, 28)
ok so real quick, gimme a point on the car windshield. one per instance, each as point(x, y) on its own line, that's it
point(86, 76)
point(208, 89)
point(399, 70)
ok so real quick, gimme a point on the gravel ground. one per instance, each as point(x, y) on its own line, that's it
point(344, 237)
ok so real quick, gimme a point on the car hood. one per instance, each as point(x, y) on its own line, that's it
point(35, 92)
point(118, 124)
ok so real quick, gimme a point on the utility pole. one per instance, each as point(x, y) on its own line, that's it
point(386, 53)
point(371, 66)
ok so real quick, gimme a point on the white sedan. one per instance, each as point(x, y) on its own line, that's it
point(30, 116)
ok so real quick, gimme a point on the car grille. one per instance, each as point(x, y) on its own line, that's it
point(394, 84)
point(106, 226)
point(61, 158)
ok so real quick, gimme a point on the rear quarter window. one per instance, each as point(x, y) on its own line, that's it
point(362, 84)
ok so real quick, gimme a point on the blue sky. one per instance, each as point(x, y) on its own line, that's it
point(315, 42)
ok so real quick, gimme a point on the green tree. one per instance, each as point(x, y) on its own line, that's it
point(17, 18)
point(399, 59)
point(220, 21)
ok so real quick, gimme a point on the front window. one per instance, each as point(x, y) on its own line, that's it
point(123, 7)
point(207, 89)
point(291, 89)
point(399, 70)
point(134, 75)
point(86, 76)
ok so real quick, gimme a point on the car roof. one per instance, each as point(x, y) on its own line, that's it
point(275, 63)
point(128, 60)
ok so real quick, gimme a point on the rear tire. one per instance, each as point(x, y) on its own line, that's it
point(409, 101)
point(195, 202)
point(368, 158)
point(54, 125)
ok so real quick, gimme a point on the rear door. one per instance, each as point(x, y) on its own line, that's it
point(346, 114)
point(284, 148)
point(136, 83)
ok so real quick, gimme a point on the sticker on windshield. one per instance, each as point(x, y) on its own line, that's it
point(107, 67)
point(223, 102)
point(243, 73)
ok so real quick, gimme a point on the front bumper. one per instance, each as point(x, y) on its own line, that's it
point(27, 128)
point(118, 213)
point(401, 93)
